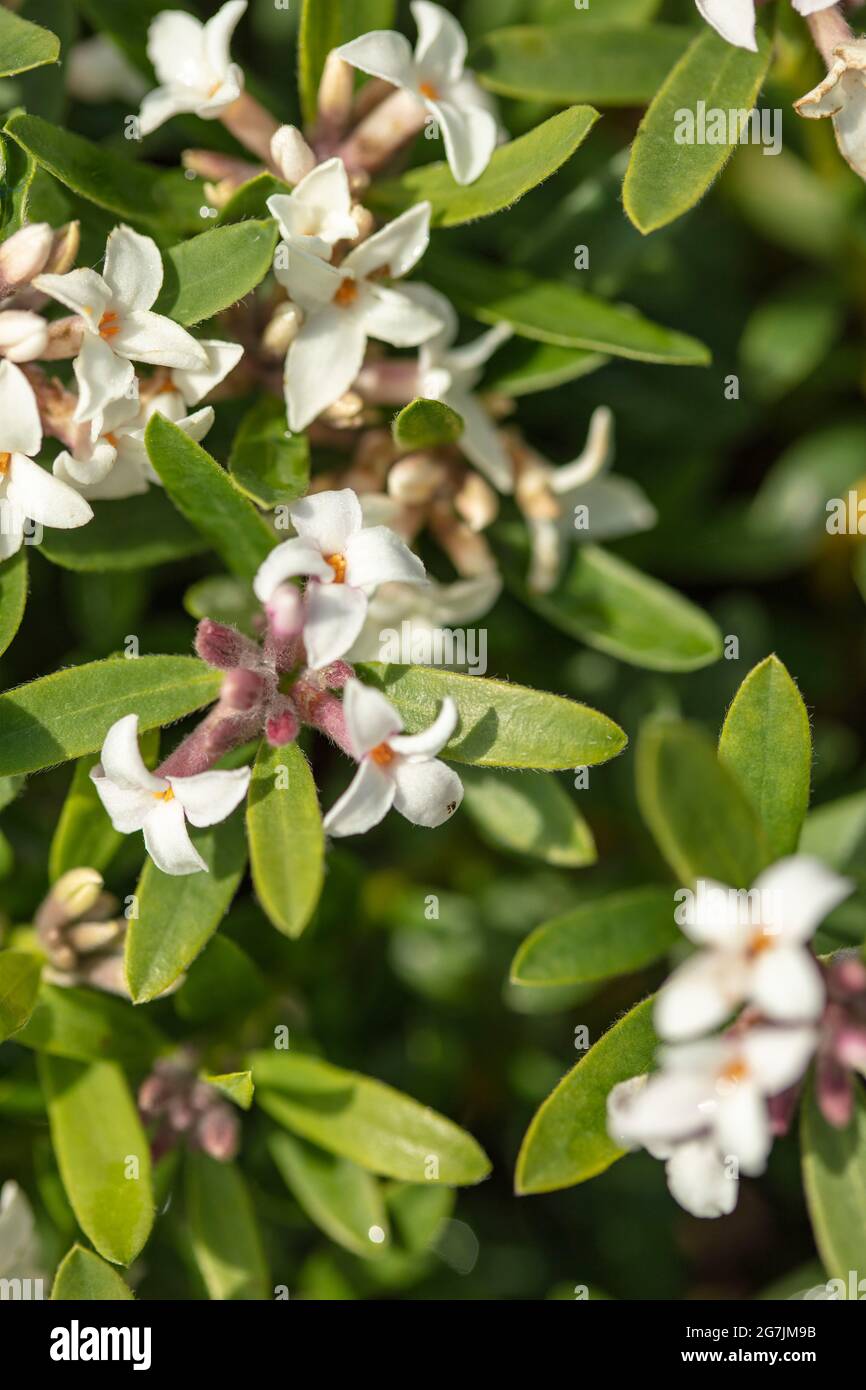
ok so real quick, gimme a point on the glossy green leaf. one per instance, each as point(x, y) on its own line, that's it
point(212, 271)
point(425, 424)
point(766, 743)
point(665, 177)
point(598, 940)
point(24, 45)
point(102, 1153)
point(205, 494)
point(267, 462)
point(226, 600)
point(132, 534)
point(551, 311)
point(700, 817)
point(343, 1200)
point(84, 837)
point(569, 62)
point(13, 596)
point(287, 843)
point(90, 1025)
point(499, 724)
point(515, 168)
point(19, 986)
point(69, 713)
point(365, 1121)
point(223, 1230)
point(418, 1213)
point(250, 200)
point(567, 1141)
point(178, 914)
point(82, 1277)
point(528, 813)
point(834, 1176)
point(522, 367)
point(236, 1086)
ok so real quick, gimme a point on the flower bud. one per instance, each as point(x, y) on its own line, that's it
point(476, 502)
point(336, 90)
point(64, 249)
point(65, 337)
point(242, 689)
point(291, 154)
point(23, 255)
point(87, 937)
point(415, 479)
point(76, 892)
point(281, 726)
point(23, 335)
point(218, 1133)
point(282, 330)
point(223, 646)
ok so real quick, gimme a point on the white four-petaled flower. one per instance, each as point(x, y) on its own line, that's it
point(193, 64)
point(434, 74)
point(137, 799)
point(395, 769)
point(318, 211)
point(344, 562)
point(735, 19)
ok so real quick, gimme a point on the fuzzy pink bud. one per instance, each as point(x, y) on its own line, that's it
point(242, 689)
point(222, 646)
point(281, 726)
point(218, 1133)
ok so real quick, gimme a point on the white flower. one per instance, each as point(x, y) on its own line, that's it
point(119, 327)
point(347, 304)
point(450, 374)
point(20, 1256)
point(193, 64)
point(735, 19)
point(318, 212)
point(23, 335)
point(395, 769)
point(26, 490)
point(137, 799)
point(842, 96)
point(435, 75)
point(344, 560)
point(423, 612)
point(97, 71)
point(755, 949)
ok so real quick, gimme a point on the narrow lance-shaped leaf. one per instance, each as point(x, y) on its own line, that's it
point(766, 743)
point(267, 462)
point(82, 1277)
point(834, 1176)
point(425, 424)
point(528, 813)
point(325, 26)
point(89, 1025)
point(13, 596)
point(210, 272)
point(342, 1199)
point(599, 939)
point(131, 534)
point(24, 45)
point(222, 1225)
point(19, 986)
point(287, 842)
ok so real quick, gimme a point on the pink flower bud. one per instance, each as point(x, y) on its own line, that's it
point(23, 335)
point(24, 254)
point(281, 726)
point(291, 154)
point(336, 675)
point(848, 976)
point(850, 1047)
point(243, 689)
point(218, 1133)
point(834, 1092)
point(222, 646)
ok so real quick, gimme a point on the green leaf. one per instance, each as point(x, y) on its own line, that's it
point(365, 1121)
point(267, 462)
point(598, 940)
point(221, 982)
point(226, 600)
point(212, 271)
point(178, 914)
point(102, 1153)
point(205, 494)
point(790, 335)
point(766, 743)
point(568, 62)
point(132, 534)
point(13, 596)
point(699, 815)
point(250, 200)
point(19, 986)
point(425, 424)
point(834, 1177)
point(613, 607)
point(326, 26)
point(342, 1199)
point(521, 367)
point(84, 836)
point(83, 1277)
point(418, 1213)
point(666, 178)
point(128, 188)
point(287, 843)
point(528, 814)
point(567, 1141)
point(69, 713)
point(24, 46)
point(836, 832)
point(515, 168)
point(551, 311)
point(222, 1225)
point(499, 724)
point(236, 1086)
point(90, 1025)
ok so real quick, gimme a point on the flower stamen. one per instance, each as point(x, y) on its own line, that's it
point(429, 90)
point(338, 565)
point(109, 325)
point(382, 754)
point(347, 292)
point(5, 460)
point(167, 795)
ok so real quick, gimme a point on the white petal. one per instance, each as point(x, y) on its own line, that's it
point(127, 807)
point(133, 268)
point(377, 555)
point(428, 793)
point(45, 498)
point(222, 358)
point(335, 614)
point(778, 1057)
point(126, 475)
point(102, 377)
point(218, 35)
point(470, 357)
point(787, 985)
point(88, 470)
point(711, 916)
point(121, 760)
point(213, 102)
point(619, 1103)
point(470, 134)
point(364, 804)
point(390, 316)
point(742, 1127)
point(797, 894)
point(162, 104)
point(700, 994)
point(615, 507)
point(850, 124)
point(322, 364)
point(435, 348)
point(431, 740)
point(175, 46)
point(309, 281)
point(153, 338)
point(12, 521)
point(440, 52)
point(294, 557)
point(20, 425)
point(699, 1180)
point(382, 53)
point(670, 1107)
point(319, 206)
point(167, 840)
point(733, 19)
point(83, 291)
point(805, 7)
point(370, 718)
point(210, 797)
point(327, 520)
point(481, 441)
point(595, 457)
point(396, 247)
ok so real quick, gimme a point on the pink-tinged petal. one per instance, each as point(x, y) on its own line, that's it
point(133, 268)
point(834, 1092)
point(323, 363)
point(440, 52)
point(470, 134)
point(699, 1180)
point(370, 718)
point(742, 1127)
point(167, 841)
point(733, 19)
point(163, 104)
point(364, 804)
point(700, 994)
point(218, 33)
point(310, 282)
point(396, 248)
point(20, 425)
point(127, 807)
point(175, 46)
point(851, 1047)
point(431, 740)
point(392, 317)
point(328, 520)
point(45, 498)
point(382, 53)
point(121, 760)
point(787, 985)
point(222, 358)
point(210, 797)
point(428, 792)
point(797, 894)
point(102, 377)
point(155, 339)
point(481, 441)
point(83, 291)
point(777, 1057)
point(290, 559)
point(335, 616)
point(377, 555)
